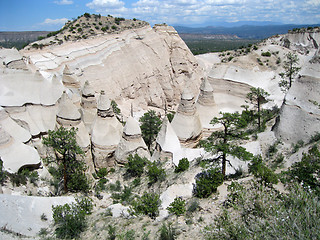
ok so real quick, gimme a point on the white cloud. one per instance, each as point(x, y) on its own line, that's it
point(64, 2)
point(105, 4)
point(59, 21)
point(200, 11)
point(315, 3)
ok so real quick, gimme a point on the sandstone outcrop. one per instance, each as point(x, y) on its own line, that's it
point(299, 115)
point(131, 142)
point(106, 134)
point(154, 64)
point(186, 122)
point(88, 105)
point(206, 106)
point(15, 154)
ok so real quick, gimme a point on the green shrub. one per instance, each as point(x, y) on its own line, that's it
point(102, 172)
point(124, 197)
point(111, 232)
point(70, 219)
point(177, 207)
point(182, 166)
point(115, 186)
point(155, 173)
point(167, 232)
point(114, 27)
point(79, 29)
point(87, 15)
point(104, 29)
point(315, 138)
point(207, 182)
point(148, 204)
point(135, 165)
point(308, 169)
point(261, 171)
point(266, 54)
point(170, 116)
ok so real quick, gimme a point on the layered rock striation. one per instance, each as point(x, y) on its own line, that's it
point(147, 64)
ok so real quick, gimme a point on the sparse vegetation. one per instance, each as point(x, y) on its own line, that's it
point(70, 219)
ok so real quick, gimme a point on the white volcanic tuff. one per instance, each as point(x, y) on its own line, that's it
point(22, 214)
point(19, 87)
point(145, 64)
point(15, 154)
point(35, 118)
point(11, 58)
point(106, 133)
point(186, 122)
point(302, 41)
point(131, 142)
point(12, 128)
point(169, 143)
point(299, 118)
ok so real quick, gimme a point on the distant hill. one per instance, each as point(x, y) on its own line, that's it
point(244, 31)
point(18, 39)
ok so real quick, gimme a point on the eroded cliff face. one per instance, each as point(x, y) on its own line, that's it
point(149, 65)
point(299, 115)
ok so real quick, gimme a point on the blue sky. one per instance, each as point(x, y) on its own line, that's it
point(23, 15)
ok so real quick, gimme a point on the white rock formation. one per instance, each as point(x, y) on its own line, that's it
point(106, 134)
point(206, 106)
point(154, 64)
point(168, 147)
point(22, 214)
point(88, 105)
point(16, 154)
point(69, 79)
point(186, 122)
point(299, 116)
point(131, 142)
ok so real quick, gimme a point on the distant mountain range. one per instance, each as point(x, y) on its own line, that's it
point(248, 31)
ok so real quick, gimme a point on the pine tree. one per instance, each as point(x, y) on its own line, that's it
point(223, 143)
point(150, 127)
point(291, 70)
point(63, 141)
point(257, 96)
